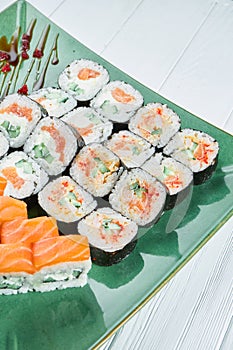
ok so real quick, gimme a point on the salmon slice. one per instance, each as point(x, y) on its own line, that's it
point(11, 208)
point(87, 73)
point(28, 230)
point(3, 183)
point(59, 140)
point(16, 257)
point(62, 249)
point(120, 96)
point(23, 112)
point(12, 176)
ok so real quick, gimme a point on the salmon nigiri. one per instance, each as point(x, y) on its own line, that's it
point(3, 183)
point(16, 268)
point(28, 230)
point(11, 208)
point(61, 262)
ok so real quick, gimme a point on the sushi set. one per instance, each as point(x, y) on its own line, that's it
point(101, 180)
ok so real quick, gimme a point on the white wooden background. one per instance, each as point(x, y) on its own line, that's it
point(182, 49)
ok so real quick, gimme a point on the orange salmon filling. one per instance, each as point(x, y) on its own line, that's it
point(59, 140)
point(87, 73)
point(120, 96)
point(3, 183)
point(23, 112)
point(11, 175)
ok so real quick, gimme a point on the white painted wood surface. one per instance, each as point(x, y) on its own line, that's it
point(182, 49)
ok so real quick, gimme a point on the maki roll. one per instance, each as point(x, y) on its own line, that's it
point(16, 268)
point(174, 175)
point(156, 123)
point(132, 150)
point(61, 262)
point(83, 79)
point(18, 117)
point(112, 236)
point(65, 200)
point(4, 144)
point(138, 196)
point(96, 169)
point(195, 149)
point(28, 230)
point(24, 176)
point(90, 125)
point(117, 101)
point(56, 101)
point(52, 144)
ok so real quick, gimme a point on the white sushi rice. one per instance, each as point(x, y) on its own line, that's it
point(4, 144)
point(132, 150)
point(156, 123)
point(44, 147)
point(62, 275)
point(108, 230)
point(14, 124)
point(164, 168)
point(15, 283)
point(120, 112)
point(96, 169)
point(128, 194)
point(83, 90)
point(183, 145)
point(33, 177)
point(65, 200)
point(56, 101)
point(92, 126)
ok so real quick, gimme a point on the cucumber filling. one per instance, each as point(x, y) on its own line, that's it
point(62, 276)
point(13, 131)
point(25, 165)
point(41, 151)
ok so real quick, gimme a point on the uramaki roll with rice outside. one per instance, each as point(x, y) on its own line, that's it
point(4, 145)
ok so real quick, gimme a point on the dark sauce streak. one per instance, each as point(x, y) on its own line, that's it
point(55, 59)
point(29, 71)
point(38, 84)
point(7, 88)
point(11, 49)
point(39, 51)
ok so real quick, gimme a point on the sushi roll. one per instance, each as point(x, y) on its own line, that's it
point(138, 196)
point(55, 101)
point(174, 175)
point(132, 150)
point(4, 145)
point(156, 123)
point(83, 79)
point(61, 262)
point(11, 208)
point(96, 169)
point(16, 268)
point(24, 176)
point(52, 144)
point(110, 235)
point(195, 149)
point(28, 230)
point(18, 117)
point(90, 125)
point(65, 200)
point(117, 101)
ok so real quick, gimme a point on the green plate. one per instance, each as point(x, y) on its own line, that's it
point(81, 318)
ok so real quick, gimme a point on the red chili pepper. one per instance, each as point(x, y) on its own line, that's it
point(37, 53)
point(23, 90)
point(6, 68)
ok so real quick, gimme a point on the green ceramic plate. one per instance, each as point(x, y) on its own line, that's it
point(81, 318)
